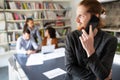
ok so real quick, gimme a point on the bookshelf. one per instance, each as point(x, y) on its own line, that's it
point(56, 13)
point(3, 31)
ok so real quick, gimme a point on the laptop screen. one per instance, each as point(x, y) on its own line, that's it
point(48, 49)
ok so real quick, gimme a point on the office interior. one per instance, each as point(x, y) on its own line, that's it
point(9, 35)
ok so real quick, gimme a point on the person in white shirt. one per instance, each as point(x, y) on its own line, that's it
point(25, 44)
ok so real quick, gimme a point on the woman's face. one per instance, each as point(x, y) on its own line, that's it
point(46, 33)
point(83, 17)
point(30, 23)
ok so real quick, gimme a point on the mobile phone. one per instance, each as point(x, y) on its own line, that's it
point(94, 22)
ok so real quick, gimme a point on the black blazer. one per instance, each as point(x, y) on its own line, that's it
point(98, 65)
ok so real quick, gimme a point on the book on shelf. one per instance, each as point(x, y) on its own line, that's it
point(42, 15)
point(63, 32)
point(68, 14)
point(67, 22)
point(9, 37)
point(38, 5)
point(2, 25)
point(50, 15)
point(3, 37)
point(16, 16)
point(49, 5)
point(57, 34)
point(21, 25)
point(12, 5)
point(17, 35)
point(1, 4)
point(46, 24)
point(7, 5)
point(60, 15)
point(15, 26)
point(37, 15)
point(41, 33)
point(19, 5)
point(13, 36)
point(10, 26)
point(2, 17)
point(61, 6)
point(9, 16)
point(59, 23)
point(23, 5)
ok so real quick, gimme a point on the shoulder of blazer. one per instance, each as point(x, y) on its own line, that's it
point(54, 40)
point(74, 35)
point(107, 36)
point(44, 41)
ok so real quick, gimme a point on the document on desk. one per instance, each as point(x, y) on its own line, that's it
point(35, 59)
point(56, 54)
point(54, 73)
point(53, 55)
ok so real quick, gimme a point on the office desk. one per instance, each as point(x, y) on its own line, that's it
point(35, 72)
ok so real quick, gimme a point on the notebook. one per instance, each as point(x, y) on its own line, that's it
point(48, 49)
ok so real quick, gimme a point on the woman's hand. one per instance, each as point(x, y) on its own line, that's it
point(87, 41)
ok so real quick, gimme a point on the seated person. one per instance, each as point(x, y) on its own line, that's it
point(25, 44)
point(50, 37)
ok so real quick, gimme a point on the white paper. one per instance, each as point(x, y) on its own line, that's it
point(35, 59)
point(60, 50)
point(54, 55)
point(54, 73)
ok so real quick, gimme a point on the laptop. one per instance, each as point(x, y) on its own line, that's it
point(48, 49)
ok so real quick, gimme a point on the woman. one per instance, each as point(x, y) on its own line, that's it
point(89, 56)
point(29, 24)
point(50, 37)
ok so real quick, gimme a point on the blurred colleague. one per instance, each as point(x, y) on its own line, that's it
point(34, 31)
point(26, 44)
point(50, 37)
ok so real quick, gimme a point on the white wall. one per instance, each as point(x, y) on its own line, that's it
point(74, 4)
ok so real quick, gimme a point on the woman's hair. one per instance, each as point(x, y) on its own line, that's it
point(26, 31)
point(51, 31)
point(94, 7)
point(26, 25)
